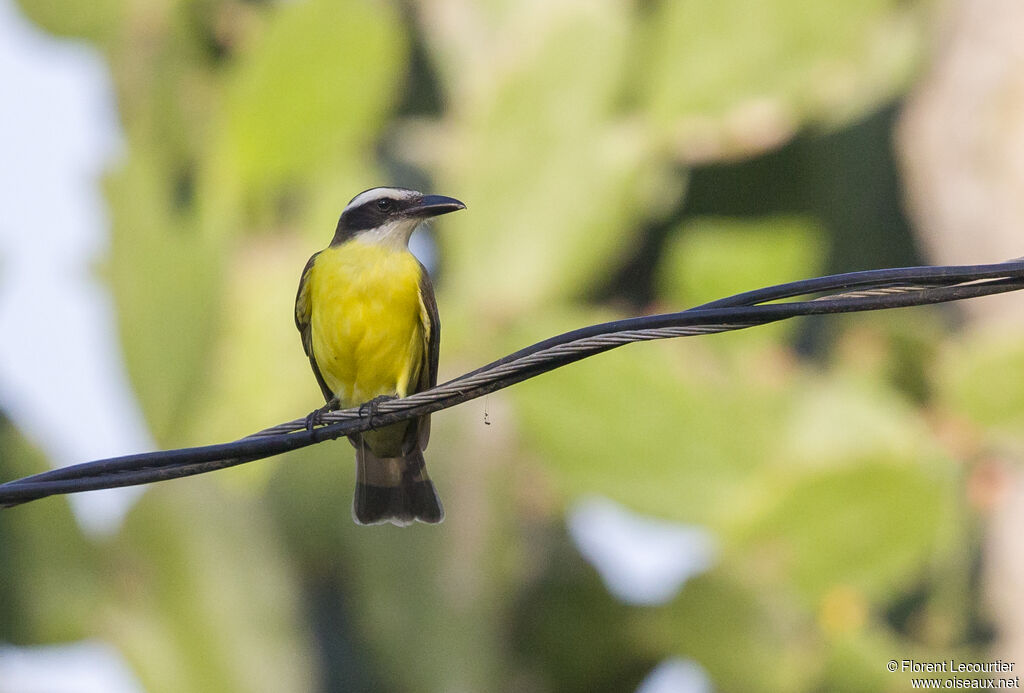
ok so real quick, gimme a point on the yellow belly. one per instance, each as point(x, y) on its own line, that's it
point(365, 321)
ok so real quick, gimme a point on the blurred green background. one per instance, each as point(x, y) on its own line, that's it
point(617, 157)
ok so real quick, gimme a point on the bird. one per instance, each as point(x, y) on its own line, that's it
point(367, 315)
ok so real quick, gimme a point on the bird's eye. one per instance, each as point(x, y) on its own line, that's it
point(385, 205)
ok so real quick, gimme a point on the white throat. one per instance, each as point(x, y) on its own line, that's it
point(393, 235)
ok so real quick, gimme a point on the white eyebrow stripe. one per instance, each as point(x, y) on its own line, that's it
point(377, 193)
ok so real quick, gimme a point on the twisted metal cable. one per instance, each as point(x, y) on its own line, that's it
point(844, 293)
point(483, 378)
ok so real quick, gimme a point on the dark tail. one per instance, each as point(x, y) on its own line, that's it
point(394, 489)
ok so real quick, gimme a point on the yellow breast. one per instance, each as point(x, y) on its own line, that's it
point(367, 336)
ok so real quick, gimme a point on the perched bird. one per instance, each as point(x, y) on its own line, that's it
point(368, 319)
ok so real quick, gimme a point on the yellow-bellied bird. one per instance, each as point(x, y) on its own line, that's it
point(368, 319)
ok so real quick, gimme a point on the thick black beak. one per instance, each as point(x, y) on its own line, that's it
point(434, 205)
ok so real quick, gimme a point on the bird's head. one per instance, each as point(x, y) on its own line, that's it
point(390, 215)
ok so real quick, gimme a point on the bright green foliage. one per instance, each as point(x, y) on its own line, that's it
point(436, 595)
point(978, 381)
point(206, 610)
point(164, 274)
point(825, 472)
point(670, 447)
point(868, 526)
point(799, 60)
point(550, 170)
point(306, 95)
point(49, 578)
point(712, 258)
point(96, 21)
point(733, 629)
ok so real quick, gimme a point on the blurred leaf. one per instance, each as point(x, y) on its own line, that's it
point(711, 258)
point(48, 570)
point(841, 417)
point(979, 378)
point(852, 454)
point(257, 374)
point(311, 498)
point(656, 427)
point(553, 179)
point(729, 78)
point(856, 663)
point(420, 597)
point(308, 95)
point(96, 21)
point(572, 633)
point(164, 275)
point(744, 640)
point(167, 119)
point(715, 257)
point(871, 526)
point(202, 599)
point(896, 348)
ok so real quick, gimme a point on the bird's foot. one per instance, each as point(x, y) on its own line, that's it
point(369, 409)
point(316, 417)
